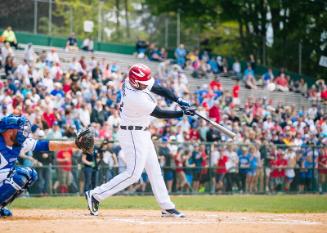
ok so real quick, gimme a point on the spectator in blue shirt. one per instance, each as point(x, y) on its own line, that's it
point(249, 78)
point(268, 77)
point(213, 65)
point(180, 54)
point(244, 164)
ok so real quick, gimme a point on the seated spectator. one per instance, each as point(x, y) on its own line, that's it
point(154, 53)
point(88, 45)
point(215, 84)
point(141, 48)
point(29, 54)
point(180, 55)
point(237, 69)
point(235, 91)
point(10, 37)
point(281, 83)
point(6, 51)
point(267, 78)
point(71, 44)
point(213, 65)
point(249, 78)
point(52, 57)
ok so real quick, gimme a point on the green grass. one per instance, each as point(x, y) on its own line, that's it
point(235, 203)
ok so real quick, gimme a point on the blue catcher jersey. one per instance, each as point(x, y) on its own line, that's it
point(9, 155)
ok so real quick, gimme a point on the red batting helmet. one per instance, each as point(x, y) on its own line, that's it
point(140, 73)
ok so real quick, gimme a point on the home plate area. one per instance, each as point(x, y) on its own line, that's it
point(53, 221)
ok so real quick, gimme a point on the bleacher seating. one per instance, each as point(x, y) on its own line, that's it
point(124, 61)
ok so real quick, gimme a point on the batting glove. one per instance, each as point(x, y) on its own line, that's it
point(188, 111)
point(183, 102)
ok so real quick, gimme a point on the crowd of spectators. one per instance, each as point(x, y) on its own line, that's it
point(277, 147)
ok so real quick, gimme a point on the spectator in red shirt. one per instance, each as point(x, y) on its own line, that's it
point(215, 84)
point(322, 169)
point(278, 166)
point(181, 177)
point(64, 159)
point(49, 117)
point(236, 90)
point(194, 134)
point(214, 113)
point(221, 169)
point(281, 83)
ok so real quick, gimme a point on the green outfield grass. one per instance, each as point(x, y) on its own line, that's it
point(235, 203)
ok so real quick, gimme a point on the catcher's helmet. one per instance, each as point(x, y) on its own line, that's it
point(140, 74)
point(16, 122)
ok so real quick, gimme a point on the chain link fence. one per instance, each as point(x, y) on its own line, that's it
point(192, 169)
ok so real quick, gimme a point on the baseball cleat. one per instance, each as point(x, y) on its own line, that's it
point(4, 212)
point(92, 203)
point(172, 213)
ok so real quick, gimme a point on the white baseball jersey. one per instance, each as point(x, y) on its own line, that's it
point(136, 106)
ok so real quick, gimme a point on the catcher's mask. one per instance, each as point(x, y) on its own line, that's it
point(20, 123)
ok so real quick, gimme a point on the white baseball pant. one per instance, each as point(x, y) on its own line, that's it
point(140, 153)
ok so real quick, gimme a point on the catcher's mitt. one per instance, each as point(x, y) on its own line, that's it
point(85, 141)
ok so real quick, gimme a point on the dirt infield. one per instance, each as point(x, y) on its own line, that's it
point(53, 221)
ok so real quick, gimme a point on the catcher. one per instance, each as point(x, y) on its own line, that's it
point(14, 140)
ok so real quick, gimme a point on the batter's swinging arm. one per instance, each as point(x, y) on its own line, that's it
point(218, 126)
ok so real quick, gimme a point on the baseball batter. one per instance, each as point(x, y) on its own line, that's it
point(14, 140)
point(137, 107)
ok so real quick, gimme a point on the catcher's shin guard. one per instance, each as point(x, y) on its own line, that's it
point(15, 184)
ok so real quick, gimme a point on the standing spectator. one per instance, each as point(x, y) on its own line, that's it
point(166, 158)
point(221, 169)
point(252, 171)
point(197, 160)
point(45, 159)
point(306, 173)
point(10, 37)
point(90, 170)
point(64, 161)
point(71, 44)
point(182, 182)
point(244, 165)
point(232, 169)
point(290, 156)
point(322, 169)
point(180, 54)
